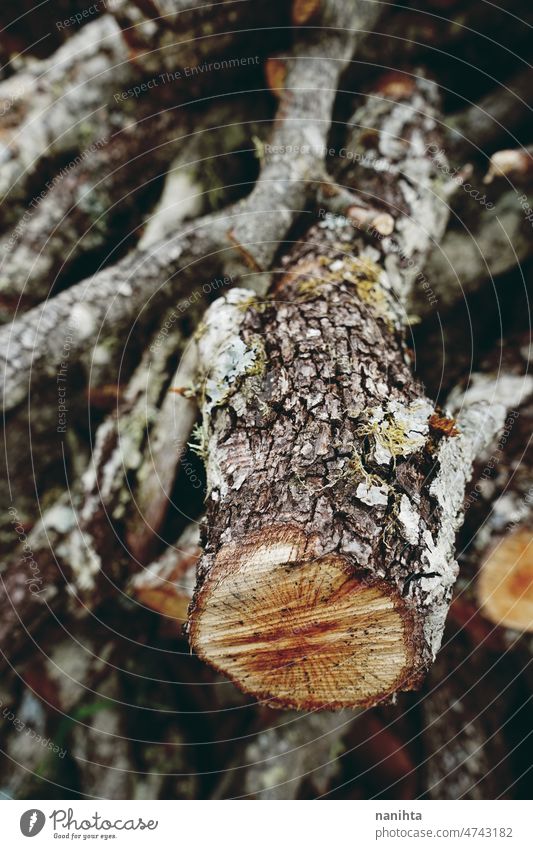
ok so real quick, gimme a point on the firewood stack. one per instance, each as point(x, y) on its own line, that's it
point(265, 302)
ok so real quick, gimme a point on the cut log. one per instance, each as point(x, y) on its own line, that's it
point(167, 585)
point(335, 487)
point(505, 582)
point(516, 165)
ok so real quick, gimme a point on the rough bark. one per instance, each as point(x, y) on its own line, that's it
point(331, 511)
point(335, 485)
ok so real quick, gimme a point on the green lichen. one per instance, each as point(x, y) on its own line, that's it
point(390, 434)
point(259, 148)
point(360, 272)
point(356, 471)
point(258, 367)
point(198, 442)
point(253, 303)
point(311, 288)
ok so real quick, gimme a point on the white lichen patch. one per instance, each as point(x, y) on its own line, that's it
point(60, 517)
point(78, 551)
point(83, 319)
point(224, 357)
point(374, 496)
point(509, 390)
point(224, 361)
point(409, 519)
point(234, 360)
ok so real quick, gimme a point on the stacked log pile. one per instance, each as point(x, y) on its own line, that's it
point(266, 499)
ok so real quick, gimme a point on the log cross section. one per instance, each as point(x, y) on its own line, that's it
point(326, 577)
